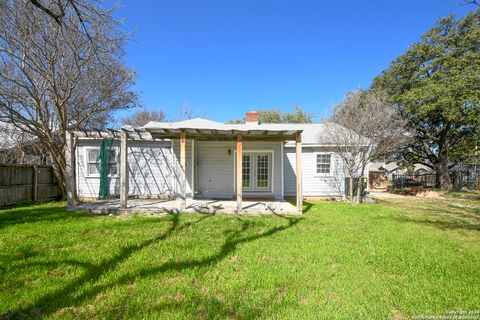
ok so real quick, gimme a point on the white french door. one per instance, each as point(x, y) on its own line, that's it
point(257, 171)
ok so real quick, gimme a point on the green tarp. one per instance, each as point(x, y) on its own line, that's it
point(102, 165)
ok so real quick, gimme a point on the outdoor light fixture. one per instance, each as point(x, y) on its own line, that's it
point(229, 152)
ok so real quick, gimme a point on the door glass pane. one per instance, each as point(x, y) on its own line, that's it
point(246, 171)
point(262, 171)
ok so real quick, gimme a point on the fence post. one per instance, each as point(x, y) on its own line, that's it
point(35, 183)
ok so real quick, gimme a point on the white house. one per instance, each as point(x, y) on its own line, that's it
point(198, 159)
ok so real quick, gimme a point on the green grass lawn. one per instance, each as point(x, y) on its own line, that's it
point(390, 260)
point(470, 195)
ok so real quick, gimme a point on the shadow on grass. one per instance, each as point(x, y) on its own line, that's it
point(37, 213)
point(307, 206)
point(69, 295)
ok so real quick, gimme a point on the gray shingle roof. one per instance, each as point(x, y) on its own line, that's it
point(392, 166)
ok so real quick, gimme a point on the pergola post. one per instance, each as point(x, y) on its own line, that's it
point(123, 170)
point(70, 169)
point(239, 176)
point(298, 151)
point(183, 179)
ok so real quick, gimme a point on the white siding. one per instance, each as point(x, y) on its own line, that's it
point(188, 166)
point(313, 184)
point(215, 167)
point(150, 167)
point(154, 169)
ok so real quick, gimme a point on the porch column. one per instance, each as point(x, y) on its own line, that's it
point(70, 169)
point(298, 147)
point(123, 170)
point(183, 178)
point(239, 176)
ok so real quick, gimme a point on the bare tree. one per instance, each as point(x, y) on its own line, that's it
point(56, 9)
point(83, 10)
point(474, 2)
point(375, 129)
point(142, 117)
point(51, 77)
point(187, 113)
point(347, 145)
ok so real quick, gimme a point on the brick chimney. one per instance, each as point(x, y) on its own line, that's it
point(251, 118)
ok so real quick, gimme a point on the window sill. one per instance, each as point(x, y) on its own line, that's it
point(323, 175)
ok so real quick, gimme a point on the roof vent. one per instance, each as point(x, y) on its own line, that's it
point(251, 117)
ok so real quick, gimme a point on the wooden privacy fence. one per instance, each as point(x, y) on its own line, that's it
point(27, 183)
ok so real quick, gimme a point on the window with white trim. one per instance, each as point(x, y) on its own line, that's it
point(92, 168)
point(92, 155)
point(324, 163)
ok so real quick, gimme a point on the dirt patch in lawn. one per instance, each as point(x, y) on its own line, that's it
point(386, 195)
point(430, 195)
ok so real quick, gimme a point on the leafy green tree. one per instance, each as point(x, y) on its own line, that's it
point(298, 116)
point(278, 116)
point(435, 85)
point(270, 116)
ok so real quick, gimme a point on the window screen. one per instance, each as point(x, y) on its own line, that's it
point(92, 169)
point(92, 155)
point(112, 163)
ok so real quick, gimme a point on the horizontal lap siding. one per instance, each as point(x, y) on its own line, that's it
point(313, 184)
point(215, 167)
point(149, 166)
point(188, 165)
point(88, 187)
point(154, 168)
point(150, 169)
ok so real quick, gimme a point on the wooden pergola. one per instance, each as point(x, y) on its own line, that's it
point(200, 134)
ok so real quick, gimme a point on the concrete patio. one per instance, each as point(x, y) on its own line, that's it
point(156, 206)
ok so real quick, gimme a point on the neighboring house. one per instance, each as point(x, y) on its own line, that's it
point(382, 172)
point(268, 160)
point(17, 147)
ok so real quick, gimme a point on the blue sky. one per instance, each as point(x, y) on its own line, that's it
point(223, 58)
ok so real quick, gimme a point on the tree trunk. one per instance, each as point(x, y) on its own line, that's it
point(59, 171)
point(359, 187)
point(350, 189)
point(442, 179)
point(59, 164)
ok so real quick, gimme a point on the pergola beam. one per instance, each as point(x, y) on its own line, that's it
point(239, 173)
point(205, 134)
point(123, 170)
point(298, 153)
point(183, 179)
